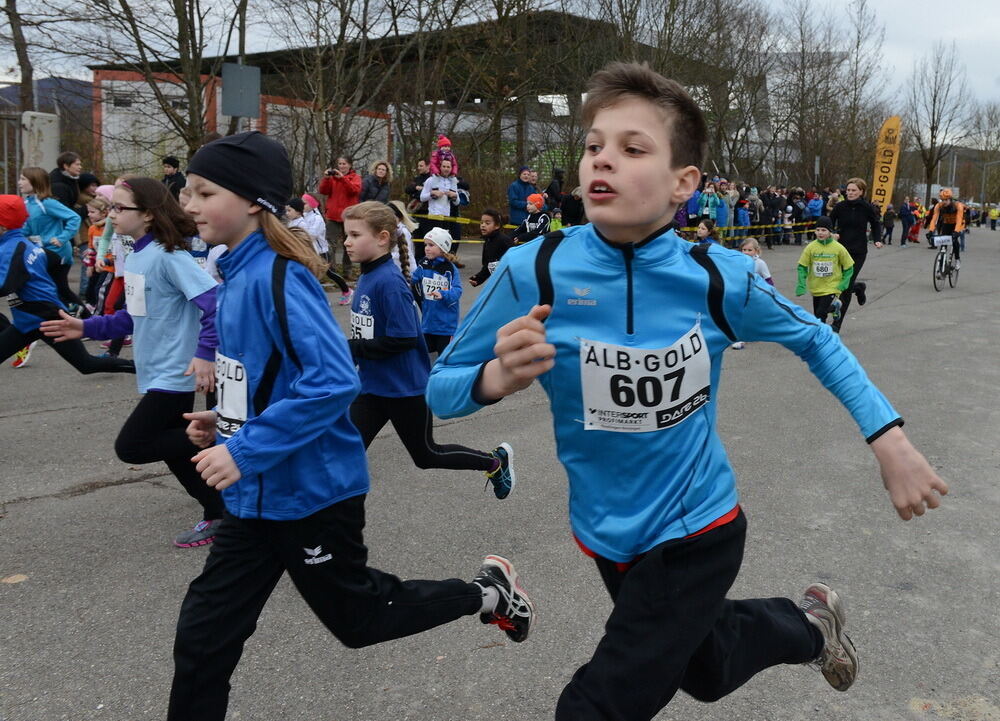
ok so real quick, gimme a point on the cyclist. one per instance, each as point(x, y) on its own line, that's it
point(948, 218)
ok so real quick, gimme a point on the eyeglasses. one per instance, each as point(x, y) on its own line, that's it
point(118, 207)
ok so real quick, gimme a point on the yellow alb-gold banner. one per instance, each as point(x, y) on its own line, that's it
point(886, 162)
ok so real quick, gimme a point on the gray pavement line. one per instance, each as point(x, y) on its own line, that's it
point(38, 411)
point(82, 489)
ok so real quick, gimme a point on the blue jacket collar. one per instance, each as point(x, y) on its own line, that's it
point(233, 261)
point(661, 246)
point(14, 234)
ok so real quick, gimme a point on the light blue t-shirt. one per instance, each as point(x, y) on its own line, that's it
point(159, 287)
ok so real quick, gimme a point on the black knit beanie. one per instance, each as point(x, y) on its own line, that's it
point(824, 222)
point(251, 165)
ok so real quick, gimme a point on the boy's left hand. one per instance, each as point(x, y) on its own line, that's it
point(907, 475)
point(217, 467)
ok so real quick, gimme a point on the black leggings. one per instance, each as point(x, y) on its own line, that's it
point(156, 432)
point(326, 557)
point(59, 272)
point(72, 351)
point(436, 343)
point(412, 420)
point(672, 628)
point(821, 306)
point(847, 295)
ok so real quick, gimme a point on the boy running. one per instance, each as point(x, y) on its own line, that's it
point(652, 496)
point(825, 269)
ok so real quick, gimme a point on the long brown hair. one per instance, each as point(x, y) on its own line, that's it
point(379, 216)
point(170, 225)
point(39, 180)
point(292, 243)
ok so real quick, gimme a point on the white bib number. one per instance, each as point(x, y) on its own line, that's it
point(362, 326)
point(231, 392)
point(436, 282)
point(634, 390)
point(135, 293)
point(822, 268)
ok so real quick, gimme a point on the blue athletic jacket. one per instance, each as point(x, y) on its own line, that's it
point(24, 277)
point(440, 317)
point(52, 221)
point(285, 382)
point(639, 332)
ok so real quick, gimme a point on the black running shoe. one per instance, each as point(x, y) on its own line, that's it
point(503, 478)
point(514, 612)
point(859, 291)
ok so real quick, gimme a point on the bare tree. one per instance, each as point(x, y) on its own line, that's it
point(14, 19)
point(936, 107)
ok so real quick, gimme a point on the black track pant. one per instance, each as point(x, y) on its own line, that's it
point(821, 306)
point(327, 559)
point(847, 295)
point(412, 420)
point(436, 343)
point(59, 272)
point(72, 351)
point(672, 628)
point(156, 432)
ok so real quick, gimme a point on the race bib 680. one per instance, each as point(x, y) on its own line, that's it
point(634, 390)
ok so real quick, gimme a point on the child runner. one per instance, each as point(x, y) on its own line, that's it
point(632, 382)
point(495, 244)
point(391, 355)
point(97, 213)
point(537, 222)
point(706, 232)
point(750, 247)
point(31, 293)
point(440, 286)
point(289, 462)
point(170, 308)
point(825, 269)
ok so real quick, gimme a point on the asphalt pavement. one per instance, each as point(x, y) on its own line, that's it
point(90, 585)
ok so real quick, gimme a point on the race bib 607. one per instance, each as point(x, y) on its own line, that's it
point(634, 390)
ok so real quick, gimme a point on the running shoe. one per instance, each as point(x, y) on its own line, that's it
point(957, 265)
point(127, 342)
point(108, 354)
point(22, 356)
point(514, 612)
point(202, 534)
point(345, 298)
point(835, 307)
point(502, 477)
point(860, 290)
point(838, 662)
point(738, 345)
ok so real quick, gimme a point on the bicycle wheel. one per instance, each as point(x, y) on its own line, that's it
point(953, 276)
point(937, 271)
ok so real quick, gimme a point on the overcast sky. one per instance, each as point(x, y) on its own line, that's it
point(911, 27)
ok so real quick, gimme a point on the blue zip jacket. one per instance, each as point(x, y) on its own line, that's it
point(692, 204)
point(517, 200)
point(24, 276)
point(440, 317)
point(289, 432)
point(51, 220)
point(638, 358)
point(814, 208)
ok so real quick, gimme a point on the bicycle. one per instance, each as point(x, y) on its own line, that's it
point(944, 266)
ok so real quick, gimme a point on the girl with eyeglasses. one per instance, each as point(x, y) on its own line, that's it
point(170, 311)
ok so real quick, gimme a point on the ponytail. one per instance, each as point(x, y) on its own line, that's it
point(404, 254)
point(292, 243)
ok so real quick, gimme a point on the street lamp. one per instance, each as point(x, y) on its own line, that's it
point(982, 189)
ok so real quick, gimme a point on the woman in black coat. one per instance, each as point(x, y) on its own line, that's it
point(854, 218)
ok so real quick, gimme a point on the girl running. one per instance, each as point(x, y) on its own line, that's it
point(706, 232)
point(32, 296)
point(439, 284)
point(751, 247)
point(389, 349)
point(289, 463)
point(53, 225)
point(170, 309)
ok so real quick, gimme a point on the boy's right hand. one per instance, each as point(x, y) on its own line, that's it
point(522, 354)
point(201, 429)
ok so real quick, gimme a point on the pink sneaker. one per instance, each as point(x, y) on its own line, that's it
point(345, 298)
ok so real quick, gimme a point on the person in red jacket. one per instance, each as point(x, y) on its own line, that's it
point(342, 188)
